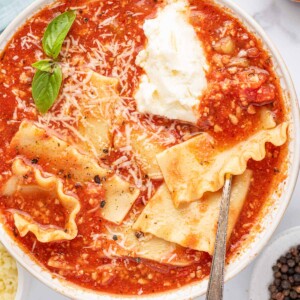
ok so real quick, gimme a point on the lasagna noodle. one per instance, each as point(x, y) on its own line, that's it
point(146, 247)
point(121, 197)
point(97, 110)
point(51, 184)
point(65, 160)
point(197, 166)
point(145, 147)
point(193, 225)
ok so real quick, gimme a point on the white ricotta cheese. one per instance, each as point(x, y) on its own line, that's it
point(174, 65)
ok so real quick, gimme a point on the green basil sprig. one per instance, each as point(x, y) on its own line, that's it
point(56, 33)
point(47, 86)
point(48, 78)
point(46, 65)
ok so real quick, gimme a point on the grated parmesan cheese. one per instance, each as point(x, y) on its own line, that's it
point(108, 56)
point(8, 275)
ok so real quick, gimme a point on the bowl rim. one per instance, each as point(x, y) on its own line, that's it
point(198, 288)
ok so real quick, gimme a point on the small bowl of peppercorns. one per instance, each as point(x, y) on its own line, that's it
point(276, 275)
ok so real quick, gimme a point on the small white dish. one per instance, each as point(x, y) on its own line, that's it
point(262, 275)
point(24, 283)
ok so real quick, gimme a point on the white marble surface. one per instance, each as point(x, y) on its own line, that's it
point(281, 20)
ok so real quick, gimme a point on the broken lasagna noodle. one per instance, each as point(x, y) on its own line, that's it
point(116, 200)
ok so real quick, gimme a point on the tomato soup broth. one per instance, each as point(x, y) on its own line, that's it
point(106, 37)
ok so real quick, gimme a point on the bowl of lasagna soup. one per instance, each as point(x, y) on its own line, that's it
point(118, 123)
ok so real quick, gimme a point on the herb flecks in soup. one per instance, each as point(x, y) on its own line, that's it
point(111, 179)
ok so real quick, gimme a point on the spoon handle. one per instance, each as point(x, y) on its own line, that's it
point(216, 279)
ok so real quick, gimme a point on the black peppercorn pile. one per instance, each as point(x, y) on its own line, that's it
point(286, 273)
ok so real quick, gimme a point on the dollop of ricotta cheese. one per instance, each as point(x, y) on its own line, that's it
point(175, 66)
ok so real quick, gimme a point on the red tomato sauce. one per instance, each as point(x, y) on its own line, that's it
point(227, 91)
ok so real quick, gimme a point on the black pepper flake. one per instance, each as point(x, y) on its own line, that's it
point(138, 234)
point(78, 185)
point(115, 237)
point(105, 151)
point(85, 20)
point(97, 179)
point(102, 203)
point(35, 161)
point(69, 176)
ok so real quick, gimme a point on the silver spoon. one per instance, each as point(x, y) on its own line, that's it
point(216, 279)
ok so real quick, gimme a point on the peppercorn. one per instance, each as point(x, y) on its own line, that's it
point(297, 289)
point(291, 271)
point(275, 269)
point(294, 252)
point(286, 273)
point(277, 282)
point(293, 295)
point(286, 292)
point(284, 268)
point(285, 285)
point(273, 295)
point(284, 277)
point(282, 259)
point(297, 277)
point(279, 296)
point(291, 279)
point(291, 263)
point(272, 288)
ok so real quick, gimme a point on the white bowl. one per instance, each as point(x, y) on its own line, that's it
point(252, 246)
point(262, 275)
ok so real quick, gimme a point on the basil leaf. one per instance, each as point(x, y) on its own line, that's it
point(46, 65)
point(45, 88)
point(56, 33)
